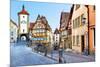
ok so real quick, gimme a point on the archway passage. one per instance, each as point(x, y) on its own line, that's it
point(24, 37)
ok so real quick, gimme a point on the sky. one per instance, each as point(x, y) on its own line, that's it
point(51, 11)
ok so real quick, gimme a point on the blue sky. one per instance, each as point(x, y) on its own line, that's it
point(51, 11)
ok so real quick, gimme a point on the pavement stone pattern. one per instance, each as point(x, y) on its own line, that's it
point(22, 55)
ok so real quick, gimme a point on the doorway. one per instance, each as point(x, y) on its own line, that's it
point(82, 43)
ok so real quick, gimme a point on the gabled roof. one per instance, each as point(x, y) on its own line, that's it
point(44, 21)
point(71, 12)
point(56, 31)
point(70, 16)
point(31, 25)
point(64, 16)
point(13, 22)
point(64, 19)
point(23, 11)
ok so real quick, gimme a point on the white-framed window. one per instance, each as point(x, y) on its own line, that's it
point(77, 38)
point(12, 33)
point(73, 40)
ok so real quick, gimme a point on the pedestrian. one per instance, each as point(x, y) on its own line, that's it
point(61, 52)
point(17, 39)
point(45, 51)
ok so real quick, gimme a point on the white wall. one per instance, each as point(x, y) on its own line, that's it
point(81, 29)
point(23, 25)
point(56, 39)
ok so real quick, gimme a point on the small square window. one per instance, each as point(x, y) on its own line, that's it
point(23, 16)
point(23, 30)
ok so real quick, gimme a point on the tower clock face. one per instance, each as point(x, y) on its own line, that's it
point(23, 22)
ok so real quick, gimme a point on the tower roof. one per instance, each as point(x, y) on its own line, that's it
point(56, 31)
point(23, 11)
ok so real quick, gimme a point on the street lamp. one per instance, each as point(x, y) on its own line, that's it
point(86, 41)
point(84, 20)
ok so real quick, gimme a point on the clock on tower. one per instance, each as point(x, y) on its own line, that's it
point(23, 20)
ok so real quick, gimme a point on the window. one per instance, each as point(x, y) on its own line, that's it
point(42, 30)
point(56, 43)
point(23, 30)
point(77, 39)
point(76, 23)
point(73, 40)
point(78, 20)
point(94, 7)
point(11, 33)
point(77, 6)
point(93, 37)
point(56, 40)
point(73, 24)
point(12, 38)
point(56, 37)
point(23, 16)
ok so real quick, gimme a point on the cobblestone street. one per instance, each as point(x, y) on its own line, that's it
point(22, 55)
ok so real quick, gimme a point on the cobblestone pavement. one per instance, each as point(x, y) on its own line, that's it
point(22, 55)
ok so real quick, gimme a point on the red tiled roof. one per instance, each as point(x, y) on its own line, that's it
point(31, 25)
point(23, 11)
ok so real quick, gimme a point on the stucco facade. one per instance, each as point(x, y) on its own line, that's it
point(92, 21)
point(79, 28)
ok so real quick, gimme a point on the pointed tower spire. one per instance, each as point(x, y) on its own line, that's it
point(38, 18)
point(23, 11)
point(23, 7)
point(38, 15)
